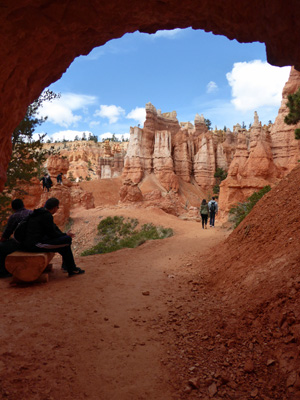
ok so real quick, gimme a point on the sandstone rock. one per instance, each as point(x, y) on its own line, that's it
point(249, 366)
point(183, 153)
point(194, 383)
point(56, 164)
point(212, 389)
point(285, 148)
point(130, 192)
point(173, 151)
point(32, 193)
point(86, 159)
point(162, 161)
point(30, 66)
point(204, 162)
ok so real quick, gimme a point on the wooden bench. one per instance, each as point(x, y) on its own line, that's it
point(28, 267)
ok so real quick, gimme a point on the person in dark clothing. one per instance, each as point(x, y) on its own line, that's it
point(19, 213)
point(7, 245)
point(213, 210)
point(59, 178)
point(43, 235)
point(43, 180)
point(48, 182)
point(204, 213)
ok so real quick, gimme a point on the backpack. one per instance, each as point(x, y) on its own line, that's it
point(212, 206)
point(21, 229)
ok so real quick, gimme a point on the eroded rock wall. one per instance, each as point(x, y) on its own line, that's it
point(175, 151)
point(263, 156)
point(40, 39)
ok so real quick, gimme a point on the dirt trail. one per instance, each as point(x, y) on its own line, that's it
point(104, 335)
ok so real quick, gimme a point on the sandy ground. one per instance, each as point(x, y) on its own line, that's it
point(104, 335)
point(202, 315)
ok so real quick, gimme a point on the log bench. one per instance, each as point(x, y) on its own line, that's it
point(28, 267)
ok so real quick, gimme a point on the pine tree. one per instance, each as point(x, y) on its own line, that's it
point(28, 154)
point(294, 115)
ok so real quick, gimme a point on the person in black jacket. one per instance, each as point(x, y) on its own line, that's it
point(42, 235)
point(7, 245)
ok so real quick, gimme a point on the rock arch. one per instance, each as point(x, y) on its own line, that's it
point(40, 39)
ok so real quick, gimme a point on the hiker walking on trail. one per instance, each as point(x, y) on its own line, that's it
point(42, 235)
point(59, 178)
point(48, 183)
point(43, 180)
point(204, 213)
point(213, 210)
point(7, 245)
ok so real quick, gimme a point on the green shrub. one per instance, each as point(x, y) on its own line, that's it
point(220, 175)
point(241, 210)
point(117, 233)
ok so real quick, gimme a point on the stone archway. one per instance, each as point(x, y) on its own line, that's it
point(40, 39)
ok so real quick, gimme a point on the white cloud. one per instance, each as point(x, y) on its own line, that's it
point(94, 123)
point(109, 135)
point(168, 34)
point(60, 111)
point(64, 135)
point(113, 113)
point(138, 114)
point(256, 84)
point(211, 87)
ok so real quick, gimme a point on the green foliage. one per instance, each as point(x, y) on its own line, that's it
point(220, 175)
point(216, 189)
point(207, 123)
point(241, 210)
point(294, 114)
point(297, 134)
point(117, 233)
point(28, 154)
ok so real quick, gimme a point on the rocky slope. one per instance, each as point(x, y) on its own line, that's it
point(240, 333)
point(86, 160)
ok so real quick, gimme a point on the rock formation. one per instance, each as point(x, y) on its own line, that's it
point(173, 151)
point(263, 156)
point(56, 164)
point(285, 148)
point(86, 160)
point(130, 192)
point(63, 31)
point(176, 152)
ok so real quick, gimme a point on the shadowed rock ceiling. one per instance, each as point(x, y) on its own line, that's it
point(40, 38)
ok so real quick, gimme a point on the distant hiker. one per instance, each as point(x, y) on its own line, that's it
point(48, 182)
point(43, 235)
point(7, 245)
point(59, 178)
point(213, 210)
point(43, 180)
point(204, 213)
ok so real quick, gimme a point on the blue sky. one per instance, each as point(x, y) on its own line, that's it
point(189, 71)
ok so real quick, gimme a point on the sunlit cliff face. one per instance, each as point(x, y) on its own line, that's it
point(41, 39)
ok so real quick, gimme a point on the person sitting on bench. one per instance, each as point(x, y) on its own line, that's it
point(42, 235)
point(7, 245)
